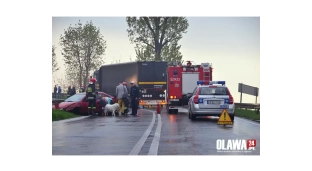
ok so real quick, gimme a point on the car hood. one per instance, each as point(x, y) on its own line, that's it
point(66, 104)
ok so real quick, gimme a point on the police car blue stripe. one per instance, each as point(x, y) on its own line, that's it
point(226, 101)
point(201, 100)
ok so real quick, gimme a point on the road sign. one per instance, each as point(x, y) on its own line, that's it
point(246, 89)
point(225, 118)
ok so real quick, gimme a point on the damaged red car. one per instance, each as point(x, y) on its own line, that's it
point(78, 103)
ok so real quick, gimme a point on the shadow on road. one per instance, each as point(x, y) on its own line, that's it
point(206, 119)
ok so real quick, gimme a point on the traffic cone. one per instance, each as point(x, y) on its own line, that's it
point(158, 109)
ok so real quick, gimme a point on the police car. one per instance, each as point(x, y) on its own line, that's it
point(209, 98)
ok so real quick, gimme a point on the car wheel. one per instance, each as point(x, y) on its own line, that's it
point(193, 117)
point(77, 111)
point(232, 117)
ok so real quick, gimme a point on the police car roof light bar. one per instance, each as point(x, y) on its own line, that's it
point(217, 82)
point(204, 82)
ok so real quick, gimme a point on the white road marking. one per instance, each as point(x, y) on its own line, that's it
point(137, 148)
point(69, 120)
point(247, 121)
point(154, 146)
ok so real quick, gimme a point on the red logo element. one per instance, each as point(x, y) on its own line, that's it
point(251, 143)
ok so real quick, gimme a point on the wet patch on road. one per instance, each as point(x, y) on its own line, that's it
point(182, 136)
point(99, 135)
point(148, 142)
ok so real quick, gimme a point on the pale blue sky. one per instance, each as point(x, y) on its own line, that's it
point(231, 44)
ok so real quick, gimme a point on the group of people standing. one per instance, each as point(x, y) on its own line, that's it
point(122, 97)
point(71, 91)
point(57, 92)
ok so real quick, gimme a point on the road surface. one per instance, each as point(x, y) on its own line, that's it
point(151, 134)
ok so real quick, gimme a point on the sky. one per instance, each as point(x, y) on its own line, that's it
point(231, 44)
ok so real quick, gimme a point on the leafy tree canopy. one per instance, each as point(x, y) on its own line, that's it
point(155, 32)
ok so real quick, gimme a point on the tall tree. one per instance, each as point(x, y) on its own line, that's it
point(156, 32)
point(170, 52)
point(72, 75)
point(93, 45)
point(54, 62)
point(82, 47)
point(71, 43)
point(144, 53)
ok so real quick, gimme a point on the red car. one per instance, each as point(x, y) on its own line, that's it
point(78, 103)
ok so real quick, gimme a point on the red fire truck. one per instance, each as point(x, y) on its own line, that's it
point(182, 80)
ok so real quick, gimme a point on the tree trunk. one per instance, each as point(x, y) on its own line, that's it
point(87, 74)
point(87, 77)
point(157, 52)
point(80, 78)
point(85, 81)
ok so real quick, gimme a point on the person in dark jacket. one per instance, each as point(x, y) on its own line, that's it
point(59, 91)
point(134, 95)
point(91, 96)
point(55, 91)
point(81, 89)
point(73, 91)
point(68, 91)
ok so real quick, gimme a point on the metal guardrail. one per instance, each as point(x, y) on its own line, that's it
point(54, 101)
point(237, 105)
point(62, 95)
point(248, 106)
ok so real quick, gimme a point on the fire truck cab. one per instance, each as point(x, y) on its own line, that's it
point(182, 81)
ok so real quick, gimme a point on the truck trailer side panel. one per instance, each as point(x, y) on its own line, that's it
point(152, 80)
point(111, 75)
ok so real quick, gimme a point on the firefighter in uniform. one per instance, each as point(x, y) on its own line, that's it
point(91, 96)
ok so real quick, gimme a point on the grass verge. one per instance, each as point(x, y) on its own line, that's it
point(248, 114)
point(60, 115)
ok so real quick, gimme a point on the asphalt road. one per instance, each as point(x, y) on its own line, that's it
point(150, 134)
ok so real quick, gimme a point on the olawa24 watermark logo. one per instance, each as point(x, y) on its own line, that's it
point(236, 146)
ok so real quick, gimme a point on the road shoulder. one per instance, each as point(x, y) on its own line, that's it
point(70, 120)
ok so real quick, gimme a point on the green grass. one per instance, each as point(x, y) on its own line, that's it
point(248, 114)
point(60, 115)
